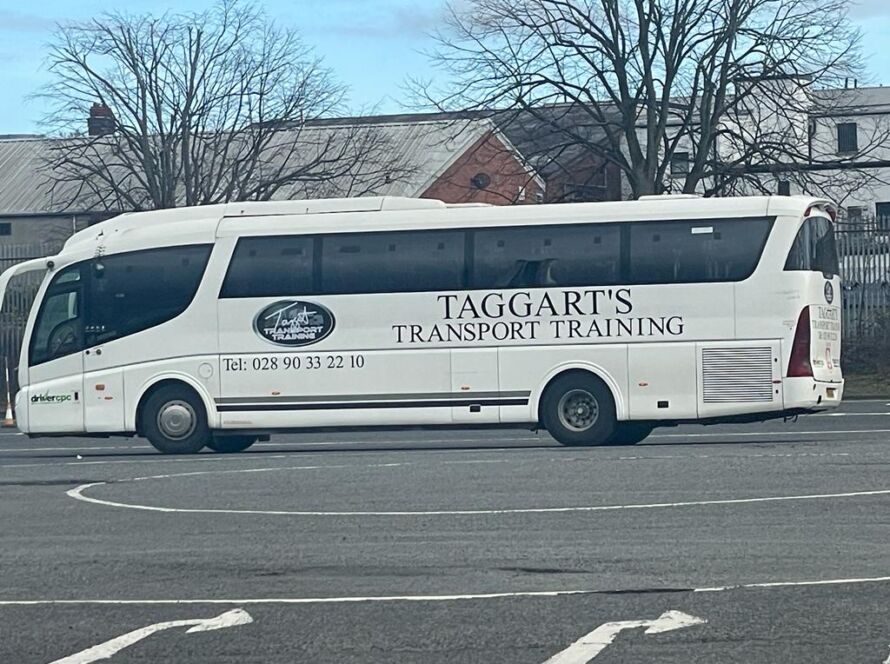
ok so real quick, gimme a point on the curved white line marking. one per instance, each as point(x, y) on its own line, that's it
point(78, 494)
point(422, 598)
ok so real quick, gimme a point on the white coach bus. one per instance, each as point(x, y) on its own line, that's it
point(596, 321)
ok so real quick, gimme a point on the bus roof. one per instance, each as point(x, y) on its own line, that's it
point(206, 223)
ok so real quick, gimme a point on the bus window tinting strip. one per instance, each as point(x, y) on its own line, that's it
point(339, 398)
point(447, 403)
point(226, 291)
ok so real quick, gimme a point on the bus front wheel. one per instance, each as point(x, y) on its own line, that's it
point(230, 444)
point(577, 409)
point(174, 421)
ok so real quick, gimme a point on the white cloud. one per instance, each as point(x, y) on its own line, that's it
point(13, 21)
point(388, 20)
point(870, 8)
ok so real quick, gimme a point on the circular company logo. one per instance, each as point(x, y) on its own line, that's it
point(829, 292)
point(294, 323)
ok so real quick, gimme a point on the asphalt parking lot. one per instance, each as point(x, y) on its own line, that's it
point(750, 543)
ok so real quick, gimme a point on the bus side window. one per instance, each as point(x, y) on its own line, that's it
point(277, 266)
point(542, 256)
point(814, 248)
point(134, 291)
point(392, 262)
point(663, 252)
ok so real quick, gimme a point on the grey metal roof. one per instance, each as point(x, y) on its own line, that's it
point(855, 100)
point(22, 187)
point(551, 137)
point(423, 150)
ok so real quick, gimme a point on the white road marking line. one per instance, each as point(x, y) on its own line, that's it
point(882, 414)
point(417, 598)
point(500, 441)
point(293, 600)
point(160, 459)
point(887, 661)
point(589, 646)
point(75, 448)
point(791, 584)
point(106, 650)
point(766, 434)
point(78, 494)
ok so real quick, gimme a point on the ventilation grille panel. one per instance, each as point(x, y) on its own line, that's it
point(737, 375)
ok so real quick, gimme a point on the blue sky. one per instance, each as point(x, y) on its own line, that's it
point(372, 45)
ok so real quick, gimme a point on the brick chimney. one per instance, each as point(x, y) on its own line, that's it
point(101, 122)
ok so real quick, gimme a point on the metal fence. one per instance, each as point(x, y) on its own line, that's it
point(864, 256)
point(16, 304)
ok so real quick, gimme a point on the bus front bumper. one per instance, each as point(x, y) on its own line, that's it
point(21, 411)
point(812, 394)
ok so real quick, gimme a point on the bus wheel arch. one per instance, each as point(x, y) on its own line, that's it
point(173, 415)
point(578, 406)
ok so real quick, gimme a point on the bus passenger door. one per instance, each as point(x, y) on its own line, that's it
point(103, 374)
point(474, 383)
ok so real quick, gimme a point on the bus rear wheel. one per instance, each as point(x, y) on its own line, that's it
point(230, 444)
point(174, 421)
point(578, 410)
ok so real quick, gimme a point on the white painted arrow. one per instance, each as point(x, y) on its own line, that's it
point(587, 647)
point(106, 650)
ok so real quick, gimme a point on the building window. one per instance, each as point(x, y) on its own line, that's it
point(5, 229)
point(784, 188)
point(847, 140)
point(679, 164)
point(882, 216)
point(582, 193)
point(854, 215)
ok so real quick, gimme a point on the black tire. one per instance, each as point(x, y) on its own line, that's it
point(230, 444)
point(630, 433)
point(174, 420)
point(578, 409)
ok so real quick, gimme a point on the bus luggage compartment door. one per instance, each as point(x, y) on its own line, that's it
point(474, 373)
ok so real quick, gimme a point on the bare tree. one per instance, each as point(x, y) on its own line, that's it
point(192, 109)
point(688, 95)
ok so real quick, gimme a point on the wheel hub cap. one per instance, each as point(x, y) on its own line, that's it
point(177, 420)
point(578, 410)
